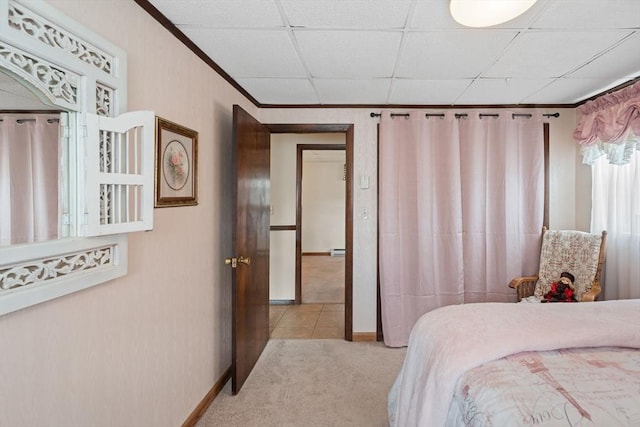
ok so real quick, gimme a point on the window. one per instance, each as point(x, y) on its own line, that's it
point(616, 208)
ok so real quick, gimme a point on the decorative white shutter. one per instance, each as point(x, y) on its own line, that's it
point(119, 170)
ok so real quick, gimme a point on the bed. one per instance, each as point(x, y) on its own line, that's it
point(505, 364)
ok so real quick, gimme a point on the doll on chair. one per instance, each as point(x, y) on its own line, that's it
point(561, 291)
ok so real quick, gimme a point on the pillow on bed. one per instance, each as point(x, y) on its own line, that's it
point(576, 252)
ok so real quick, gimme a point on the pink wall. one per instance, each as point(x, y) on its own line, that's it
point(145, 349)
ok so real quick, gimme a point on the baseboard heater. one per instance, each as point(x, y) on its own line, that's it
point(282, 301)
point(337, 252)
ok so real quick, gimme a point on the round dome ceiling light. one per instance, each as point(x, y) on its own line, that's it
point(485, 13)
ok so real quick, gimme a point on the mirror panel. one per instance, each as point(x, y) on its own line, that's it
point(15, 96)
point(31, 173)
point(77, 73)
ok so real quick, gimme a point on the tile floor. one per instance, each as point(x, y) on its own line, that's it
point(322, 279)
point(321, 314)
point(307, 321)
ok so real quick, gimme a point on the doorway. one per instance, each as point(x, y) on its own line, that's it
point(282, 226)
point(321, 202)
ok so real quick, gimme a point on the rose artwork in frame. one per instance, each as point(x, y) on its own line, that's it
point(176, 165)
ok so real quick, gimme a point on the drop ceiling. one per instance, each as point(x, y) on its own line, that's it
point(405, 52)
point(411, 52)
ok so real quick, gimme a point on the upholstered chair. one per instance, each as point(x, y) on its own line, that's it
point(576, 252)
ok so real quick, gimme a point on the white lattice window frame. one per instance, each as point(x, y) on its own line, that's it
point(68, 66)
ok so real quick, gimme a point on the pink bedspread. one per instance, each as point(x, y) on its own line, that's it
point(570, 387)
point(448, 341)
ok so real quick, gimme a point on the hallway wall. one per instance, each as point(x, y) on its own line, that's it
point(323, 205)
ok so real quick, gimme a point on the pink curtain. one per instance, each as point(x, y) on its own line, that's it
point(461, 206)
point(29, 177)
point(610, 125)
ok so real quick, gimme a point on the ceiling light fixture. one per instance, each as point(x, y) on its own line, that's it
point(485, 13)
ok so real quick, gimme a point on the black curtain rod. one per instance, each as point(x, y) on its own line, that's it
point(460, 115)
point(406, 115)
point(33, 120)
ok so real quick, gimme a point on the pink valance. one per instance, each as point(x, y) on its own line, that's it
point(610, 124)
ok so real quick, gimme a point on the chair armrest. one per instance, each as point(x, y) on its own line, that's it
point(524, 286)
point(592, 295)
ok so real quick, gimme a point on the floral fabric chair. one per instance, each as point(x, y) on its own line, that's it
point(576, 252)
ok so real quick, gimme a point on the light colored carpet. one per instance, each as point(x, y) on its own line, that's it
point(312, 383)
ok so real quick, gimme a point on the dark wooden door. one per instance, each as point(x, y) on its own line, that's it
point(250, 277)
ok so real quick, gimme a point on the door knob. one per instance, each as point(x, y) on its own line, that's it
point(234, 261)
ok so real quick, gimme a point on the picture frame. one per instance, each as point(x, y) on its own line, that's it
point(176, 175)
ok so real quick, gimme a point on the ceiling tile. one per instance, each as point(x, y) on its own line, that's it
point(15, 96)
point(590, 14)
point(250, 53)
point(367, 91)
point(434, 14)
point(500, 91)
point(411, 51)
point(347, 13)
point(622, 61)
point(9, 101)
point(447, 54)
point(349, 54)
point(552, 53)
point(8, 82)
point(568, 91)
point(23, 100)
point(425, 92)
point(280, 91)
point(221, 13)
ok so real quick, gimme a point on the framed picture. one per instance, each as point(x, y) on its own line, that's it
point(176, 165)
